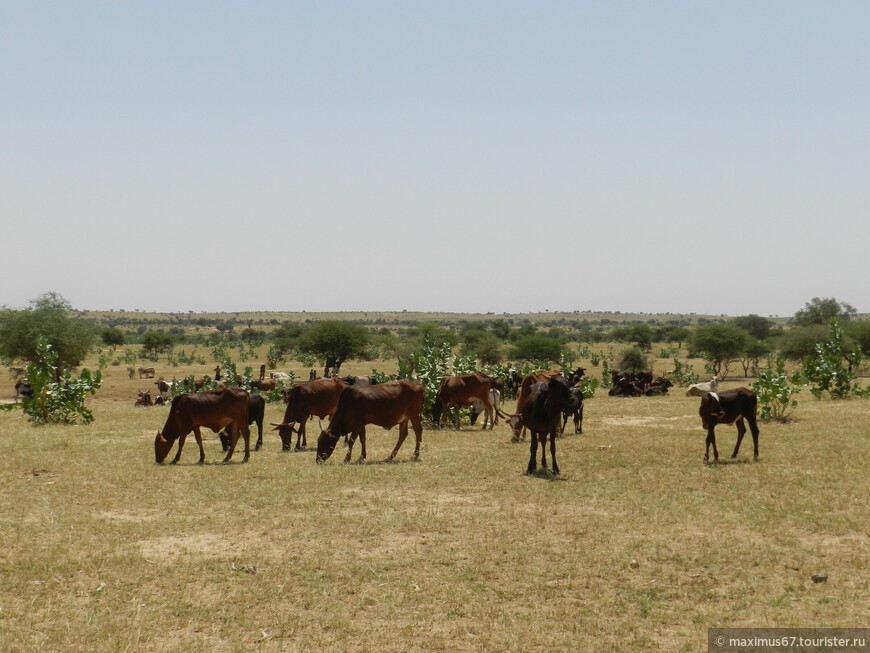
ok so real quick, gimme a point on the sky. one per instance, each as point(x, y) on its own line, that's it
point(458, 156)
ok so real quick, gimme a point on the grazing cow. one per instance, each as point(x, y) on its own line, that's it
point(462, 391)
point(698, 389)
point(213, 409)
point(477, 407)
point(542, 415)
point(318, 398)
point(256, 412)
point(384, 405)
point(729, 407)
point(146, 372)
point(23, 390)
point(144, 399)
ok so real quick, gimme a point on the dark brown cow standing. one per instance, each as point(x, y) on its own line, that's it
point(318, 398)
point(213, 409)
point(463, 390)
point(256, 413)
point(384, 405)
point(729, 407)
point(542, 415)
point(525, 388)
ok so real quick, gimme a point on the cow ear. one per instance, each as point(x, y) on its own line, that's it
point(160, 437)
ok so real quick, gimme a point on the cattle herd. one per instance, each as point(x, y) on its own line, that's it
point(545, 403)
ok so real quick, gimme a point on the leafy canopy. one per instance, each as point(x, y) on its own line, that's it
point(48, 317)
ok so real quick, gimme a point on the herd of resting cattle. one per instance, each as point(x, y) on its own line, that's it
point(545, 401)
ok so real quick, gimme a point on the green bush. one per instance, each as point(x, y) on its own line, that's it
point(775, 389)
point(58, 396)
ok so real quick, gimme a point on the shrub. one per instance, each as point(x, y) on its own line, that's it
point(58, 397)
point(775, 389)
point(825, 372)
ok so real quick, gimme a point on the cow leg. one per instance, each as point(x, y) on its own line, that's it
point(362, 443)
point(753, 427)
point(403, 433)
point(533, 463)
point(489, 411)
point(225, 440)
point(741, 431)
point(300, 434)
point(259, 435)
point(578, 420)
point(353, 437)
point(246, 433)
point(418, 434)
point(711, 439)
point(234, 438)
point(198, 435)
point(181, 439)
point(553, 452)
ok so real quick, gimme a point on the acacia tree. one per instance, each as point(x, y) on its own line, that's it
point(48, 317)
point(820, 311)
point(719, 344)
point(335, 340)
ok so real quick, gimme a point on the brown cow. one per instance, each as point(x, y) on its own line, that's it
point(384, 405)
point(213, 409)
point(542, 414)
point(318, 398)
point(729, 407)
point(463, 390)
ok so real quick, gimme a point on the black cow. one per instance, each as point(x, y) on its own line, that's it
point(256, 412)
point(542, 415)
point(729, 407)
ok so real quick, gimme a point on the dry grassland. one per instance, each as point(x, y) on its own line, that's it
point(103, 550)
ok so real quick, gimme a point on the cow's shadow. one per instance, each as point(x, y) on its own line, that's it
point(546, 475)
point(726, 462)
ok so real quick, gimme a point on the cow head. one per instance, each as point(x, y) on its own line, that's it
point(161, 447)
point(285, 432)
point(325, 445)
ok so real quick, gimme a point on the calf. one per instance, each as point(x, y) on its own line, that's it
point(542, 415)
point(477, 407)
point(213, 409)
point(256, 412)
point(729, 407)
point(384, 405)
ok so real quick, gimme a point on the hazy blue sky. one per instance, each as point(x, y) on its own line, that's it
point(707, 157)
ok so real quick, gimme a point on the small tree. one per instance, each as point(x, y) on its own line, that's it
point(775, 389)
point(633, 360)
point(335, 339)
point(112, 337)
point(825, 371)
point(537, 348)
point(821, 311)
point(48, 318)
point(57, 396)
point(720, 344)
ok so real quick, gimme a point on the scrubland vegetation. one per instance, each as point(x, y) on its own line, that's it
point(637, 545)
